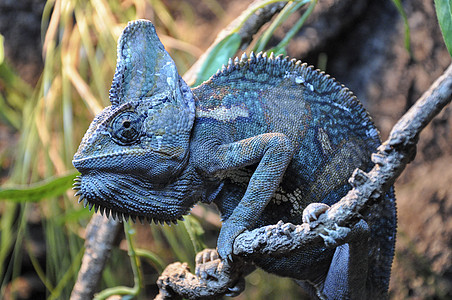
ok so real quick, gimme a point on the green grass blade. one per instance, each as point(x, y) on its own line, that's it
point(287, 11)
point(2, 51)
point(39, 270)
point(399, 7)
point(153, 258)
point(281, 47)
point(195, 232)
point(180, 242)
point(444, 14)
point(35, 192)
point(68, 275)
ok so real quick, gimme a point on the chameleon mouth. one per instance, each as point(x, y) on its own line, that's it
point(110, 206)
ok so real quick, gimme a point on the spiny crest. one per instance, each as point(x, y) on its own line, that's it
point(283, 67)
point(280, 66)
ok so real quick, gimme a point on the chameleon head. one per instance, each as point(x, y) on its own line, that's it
point(134, 155)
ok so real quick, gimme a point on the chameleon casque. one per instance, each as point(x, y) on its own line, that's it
point(263, 139)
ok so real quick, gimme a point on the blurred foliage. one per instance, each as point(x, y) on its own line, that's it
point(288, 10)
point(230, 44)
point(79, 50)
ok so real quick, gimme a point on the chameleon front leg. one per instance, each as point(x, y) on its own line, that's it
point(273, 153)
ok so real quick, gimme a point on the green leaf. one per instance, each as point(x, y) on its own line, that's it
point(196, 233)
point(51, 187)
point(444, 14)
point(2, 51)
point(399, 7)
point(218, 56)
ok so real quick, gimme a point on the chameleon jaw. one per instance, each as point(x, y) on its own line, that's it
point(100, 204)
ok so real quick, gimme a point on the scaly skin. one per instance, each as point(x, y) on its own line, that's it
point(262, 139)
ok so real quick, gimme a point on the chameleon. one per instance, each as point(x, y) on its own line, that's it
point(266, 139)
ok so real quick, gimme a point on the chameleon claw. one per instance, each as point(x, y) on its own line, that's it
point(327, 239)
point(336, 236)
point(338, 232)
point(237, 289)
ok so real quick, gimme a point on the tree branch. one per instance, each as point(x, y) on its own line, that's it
point(100, 234)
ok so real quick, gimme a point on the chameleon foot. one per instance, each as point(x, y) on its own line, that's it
point(313, 211)
point(209, 266)
point(207, 262)
point(335, 237)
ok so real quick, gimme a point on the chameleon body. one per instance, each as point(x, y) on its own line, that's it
point(263, 139)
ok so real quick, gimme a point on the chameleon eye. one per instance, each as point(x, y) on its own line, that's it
point(126, 128)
